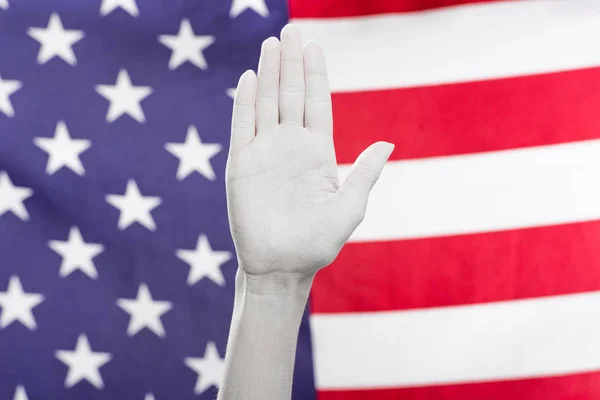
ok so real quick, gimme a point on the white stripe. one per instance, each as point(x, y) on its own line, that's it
point(484, 192)
point(516, 339)
point(457, 44)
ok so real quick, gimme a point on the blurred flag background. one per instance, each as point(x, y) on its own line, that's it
point(481, 242)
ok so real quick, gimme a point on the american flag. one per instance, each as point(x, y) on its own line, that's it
point(117, 265)
point(481, 239)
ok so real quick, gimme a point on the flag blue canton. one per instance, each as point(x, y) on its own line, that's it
point(116, 262)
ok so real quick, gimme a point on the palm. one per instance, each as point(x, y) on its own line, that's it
point(283, 152)
point(287, 177)
point(286, 208)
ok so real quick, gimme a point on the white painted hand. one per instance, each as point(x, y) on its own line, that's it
point(287, 210)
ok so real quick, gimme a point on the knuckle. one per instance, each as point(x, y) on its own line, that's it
point(320, 99)
point(265, 99)
point(291, 58)
point(241, 104)
point(265, 72)
point(242, 125)
point(316, 72)
point(365, 171)
point(351, 185)
point(266, 126)
point(295, 122)
point(292, 89)
point(267, 79)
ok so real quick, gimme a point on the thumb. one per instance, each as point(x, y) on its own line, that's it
point(363, 175)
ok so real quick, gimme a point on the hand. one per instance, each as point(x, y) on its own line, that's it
point(287, 211)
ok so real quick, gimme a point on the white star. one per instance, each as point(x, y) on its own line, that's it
point(109, 6)
point(4, 4)
point(194, 155)
point(145, 312)
point(231, 92)
point(124, 98)
point(62, 150)
point(239, 6)
point(83, 363)
point(149, 396)
point(134, 207)
point(204, 262)
point(76, 254)
point(7, 88)
point(210, 368)
point(17, 305)
point(186, 46)
point(12, 197)
point(56, 41)
point(20, 393)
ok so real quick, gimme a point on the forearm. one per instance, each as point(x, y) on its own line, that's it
point(262, 341)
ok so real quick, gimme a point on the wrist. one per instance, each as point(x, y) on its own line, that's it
point(279, 284)
point(283, 295)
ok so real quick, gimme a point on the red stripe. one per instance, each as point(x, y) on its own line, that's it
point(572, 387)
point(455, 270)
point(354, 8)
point(470, 117)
